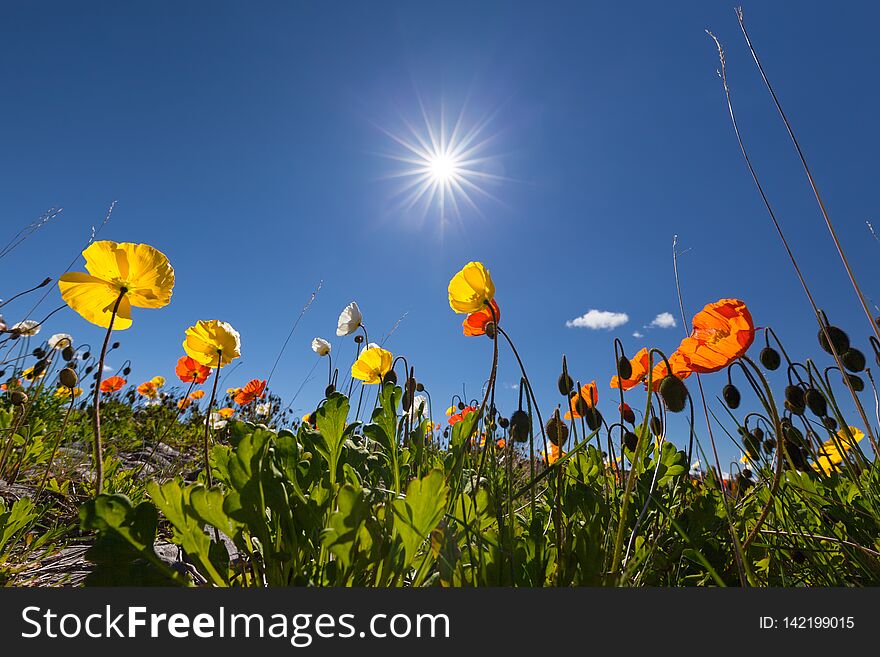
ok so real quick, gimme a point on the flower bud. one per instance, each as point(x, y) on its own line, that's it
point(358, 338)
point(752, 445)
point(40, 367)
point(674, 393)
point(520, 426)
point(830, 423)
point(115, 345)
point(565, 384)
point(627, 414)
point(856, 382)
point(68, 353)
point(38, 353)
point(624, 368)
point(769, 445)
point(126, 371)
point(770, 358)
point(794, 398)
point(503, 422)
point(815, 401)
point(731, 396)
point(593, 418)
point(557, 430)
point(68, 378)
point(839, 340)
point(390, 377)
point(853, 360)
point(656, 425)
point(18, 398)
point(420, 387)
point(329, 390)
point(630, 440)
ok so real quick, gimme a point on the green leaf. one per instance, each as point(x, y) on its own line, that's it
point(420, 512)
point(345, 531)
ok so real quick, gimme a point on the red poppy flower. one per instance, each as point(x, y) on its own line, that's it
point(458, 417)
point(189, 370)
point(475, 323)
point(112, 384)
point(254, 389)
point(722, 332)
point(588, 393)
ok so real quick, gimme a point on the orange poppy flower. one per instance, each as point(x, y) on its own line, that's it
point(226, 413)
point(639, 364)
point(11, 385)
point(253, 389)
point(722, 332)
point(458, 417)
point(589, 393)
point(475, 323)
point(148, 389)
point(555, 454)
point(677, 363)
point(197, 394)
point(501, 443)
point(184, 403)
point(189, 370)
point(112, 384)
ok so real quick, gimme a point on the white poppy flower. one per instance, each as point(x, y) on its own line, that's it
point(263, 409)
point(419, 407)
point(320, 346)
point(349, 319)
point(60, 341)
point(217, 421)
point(28, 327)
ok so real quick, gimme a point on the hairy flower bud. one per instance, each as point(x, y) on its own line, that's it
point(656, 425)
point(674, 393)
point(624, 368)
point(565, 384)
point(839, 340)
point(520, 426)
point(630, 440)
point(853, 360)
point(770, 358)
point(856, 382)
point(557, 430)
point(18, 398)
point(794, 398)
point(68, 378)
point(815, 401)
point(731, 396)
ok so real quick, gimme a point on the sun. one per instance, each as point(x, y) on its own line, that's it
point(446, 167)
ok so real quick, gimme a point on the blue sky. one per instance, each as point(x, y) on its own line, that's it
point(248, 142)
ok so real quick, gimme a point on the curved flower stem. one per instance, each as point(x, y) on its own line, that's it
point(490, 390)
point(96, 400)
point(207, 442)
point(780, 448)
point(56, 446)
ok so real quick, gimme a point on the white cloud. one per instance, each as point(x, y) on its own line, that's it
point(636, 334)
point(663, 320)
point(598, 319)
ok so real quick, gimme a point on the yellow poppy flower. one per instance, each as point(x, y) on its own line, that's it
point(373, 364)
point(226, 413)
point(211, 341)
point(64, 392)
point(832, 451)
point(158, 381)
point(471, 288)
point(139, 272)
point(28, 374)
